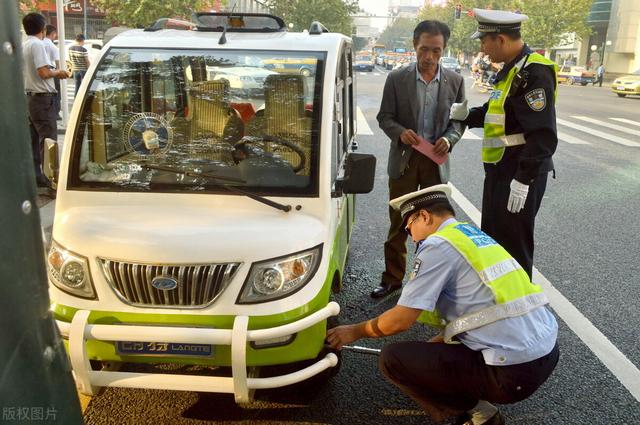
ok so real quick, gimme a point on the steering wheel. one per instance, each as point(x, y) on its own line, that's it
point(273, 139)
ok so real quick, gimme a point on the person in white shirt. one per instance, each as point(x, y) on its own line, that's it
point(39, 74)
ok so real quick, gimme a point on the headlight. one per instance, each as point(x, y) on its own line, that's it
point(279, 277)
point(69, 272)
point(616, 82)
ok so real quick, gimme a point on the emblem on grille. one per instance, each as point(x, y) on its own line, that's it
point(164, 283)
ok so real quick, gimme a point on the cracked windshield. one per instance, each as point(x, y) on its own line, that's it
point(171, 120)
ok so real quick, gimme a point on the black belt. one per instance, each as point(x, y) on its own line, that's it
point(41, 94)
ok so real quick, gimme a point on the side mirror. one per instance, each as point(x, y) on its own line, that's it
point(359, 174)
point(51, 161)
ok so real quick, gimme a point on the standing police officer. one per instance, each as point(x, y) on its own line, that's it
point(520, 134)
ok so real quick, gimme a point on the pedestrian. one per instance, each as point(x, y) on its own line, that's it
point(600, 75)
point(499, 342)
point(415, 104)
point(51, 34)
point(39, 73)
point(79, 57)
point(520, 135)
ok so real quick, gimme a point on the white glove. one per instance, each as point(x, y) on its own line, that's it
point(459, 111)
point(517, 197)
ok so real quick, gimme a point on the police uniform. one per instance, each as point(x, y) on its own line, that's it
point(519, 140)
point(501, 336)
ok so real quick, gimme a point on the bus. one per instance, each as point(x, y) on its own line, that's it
point(377, 49)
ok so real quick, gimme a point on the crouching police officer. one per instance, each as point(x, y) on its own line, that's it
point(520, 133)
point(499, 342)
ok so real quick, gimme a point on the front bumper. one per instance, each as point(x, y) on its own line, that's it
point(239, 384)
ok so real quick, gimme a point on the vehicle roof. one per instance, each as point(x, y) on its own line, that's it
point(186, 39)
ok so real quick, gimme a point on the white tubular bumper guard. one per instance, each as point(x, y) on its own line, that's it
point(88, 380)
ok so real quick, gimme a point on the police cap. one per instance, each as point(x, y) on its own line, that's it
point(497, 22)
point(421, 199)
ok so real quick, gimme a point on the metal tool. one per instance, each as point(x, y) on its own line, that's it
point(364, 350)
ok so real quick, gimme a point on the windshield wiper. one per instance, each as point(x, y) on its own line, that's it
point(258, 198)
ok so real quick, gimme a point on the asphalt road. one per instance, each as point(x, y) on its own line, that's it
point(586, 248)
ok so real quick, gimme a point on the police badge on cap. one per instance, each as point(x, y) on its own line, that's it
point(497, 22)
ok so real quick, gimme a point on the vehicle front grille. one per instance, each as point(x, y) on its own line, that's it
point(197, 285)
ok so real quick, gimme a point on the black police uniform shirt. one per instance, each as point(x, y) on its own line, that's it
point(525, 162)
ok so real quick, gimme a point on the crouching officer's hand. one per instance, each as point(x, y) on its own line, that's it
point(342, 335)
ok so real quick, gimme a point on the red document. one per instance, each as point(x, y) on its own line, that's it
point(426, 148)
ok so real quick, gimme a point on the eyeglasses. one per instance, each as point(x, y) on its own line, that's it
point(407, 228)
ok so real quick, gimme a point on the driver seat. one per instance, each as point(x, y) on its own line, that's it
point(285, 117)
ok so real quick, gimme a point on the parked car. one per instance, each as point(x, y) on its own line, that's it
point(193, 229)
point(576, 75)
point(629, 85)
point(243, 80)
point(450, 63)
point(363, 63)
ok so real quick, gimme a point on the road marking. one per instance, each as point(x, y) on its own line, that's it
point(376, 74)
point(362, 125)
point(606, 136)
point(621, 367)
point(570, 139)
point(606, 124)
point(626, 121)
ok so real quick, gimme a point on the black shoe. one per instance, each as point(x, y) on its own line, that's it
point(384, 289)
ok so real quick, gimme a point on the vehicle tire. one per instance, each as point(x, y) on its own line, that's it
point(305, 72)
point(621, 94)
point(583, 84)
point(570, 81)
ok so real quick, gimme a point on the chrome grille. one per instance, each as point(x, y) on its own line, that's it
point(197, 285)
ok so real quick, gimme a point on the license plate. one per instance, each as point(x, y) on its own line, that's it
point(169, 349)
point(620, 88)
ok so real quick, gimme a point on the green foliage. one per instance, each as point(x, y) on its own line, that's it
point(359, 43)
point(398, 34)
point(142, 13)
point(333, 14)
point(549, 24)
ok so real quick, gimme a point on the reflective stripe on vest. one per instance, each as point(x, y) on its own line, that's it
point(495, 141)
point(513, 292)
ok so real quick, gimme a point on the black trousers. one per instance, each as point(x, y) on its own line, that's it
point(449, 379)
point(513, 231)
point(42, 124)
point(421, 172)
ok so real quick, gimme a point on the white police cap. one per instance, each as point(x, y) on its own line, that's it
point(497, 21)
point(423, 198)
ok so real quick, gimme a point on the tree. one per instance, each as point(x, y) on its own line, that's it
point(142, 13)
point(550, 21)
point(334, 14)
point(398, 34)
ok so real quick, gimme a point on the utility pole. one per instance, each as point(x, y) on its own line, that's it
point(36, 385)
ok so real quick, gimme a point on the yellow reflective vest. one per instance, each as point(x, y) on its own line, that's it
point(495, 140)
point(514, 293)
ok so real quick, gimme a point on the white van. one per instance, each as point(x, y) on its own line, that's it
point(205, 204)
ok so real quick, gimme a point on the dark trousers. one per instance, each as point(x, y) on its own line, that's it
point(449, 379)
point(421, 172)
point(77, 78)
point(513, 231)
point(42, 124)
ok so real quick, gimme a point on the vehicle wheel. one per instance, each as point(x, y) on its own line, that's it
point(570, 81)
point(583, 84)
point(621, 95)
point(305, 72)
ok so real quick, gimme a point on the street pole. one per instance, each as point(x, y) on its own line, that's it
point(64, 105)
point(36, 385)
point(84, 10)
